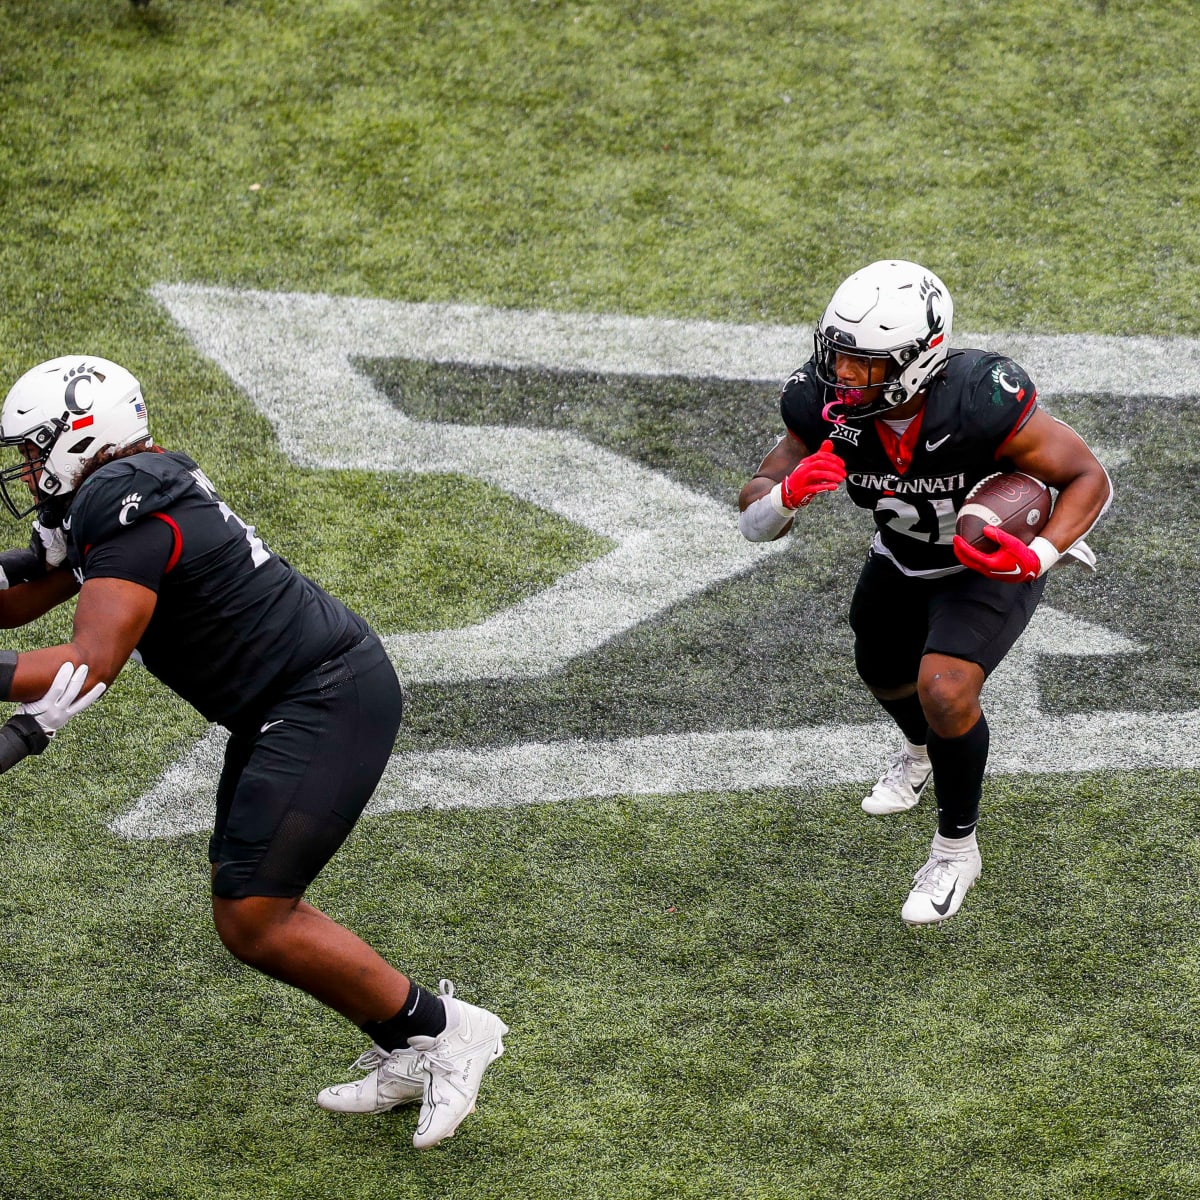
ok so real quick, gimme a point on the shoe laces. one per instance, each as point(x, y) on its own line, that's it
point(436, 1062)
point(933, 877)
point(369, 1060)
point(897, 771)
point(438, 1058)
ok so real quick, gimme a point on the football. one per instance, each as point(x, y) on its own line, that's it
point(1016, 503)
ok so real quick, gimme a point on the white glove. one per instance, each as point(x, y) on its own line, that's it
point(54, 545)
point(62, 701)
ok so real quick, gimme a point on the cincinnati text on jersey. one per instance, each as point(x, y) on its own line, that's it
point(900, 486)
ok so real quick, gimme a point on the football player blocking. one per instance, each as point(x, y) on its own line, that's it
point(909, 426)
point(161, 565)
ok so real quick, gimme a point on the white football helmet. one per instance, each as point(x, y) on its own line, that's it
point(61, 413)
point(892, 310)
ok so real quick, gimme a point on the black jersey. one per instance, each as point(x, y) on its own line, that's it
point(915, 483)
point(235, 624)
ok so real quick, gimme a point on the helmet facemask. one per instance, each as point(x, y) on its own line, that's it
point(828, 344)
point(34, 448)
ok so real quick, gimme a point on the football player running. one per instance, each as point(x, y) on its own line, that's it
point(909, 426)
point(162, 566)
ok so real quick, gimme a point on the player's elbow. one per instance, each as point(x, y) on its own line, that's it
point(1100, 490)
point(105, 674)
point(103, 666)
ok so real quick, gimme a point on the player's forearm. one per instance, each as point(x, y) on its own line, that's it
point(755, 489)
point(27, 601)
point(1078, 507)
point(766, 518)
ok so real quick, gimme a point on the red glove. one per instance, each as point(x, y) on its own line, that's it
point(820, 472)
point(1012, 561)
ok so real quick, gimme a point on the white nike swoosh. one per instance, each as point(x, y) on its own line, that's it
point(934, 445)
point(271, 725)
point(1014, 571)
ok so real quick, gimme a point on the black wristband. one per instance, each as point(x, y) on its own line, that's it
point(20, 736)
point(20, 566)
point(8, 668)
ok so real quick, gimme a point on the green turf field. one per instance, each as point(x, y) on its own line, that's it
point(710, 991)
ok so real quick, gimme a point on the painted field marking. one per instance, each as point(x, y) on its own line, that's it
point(1024, 740)
point(292, 355)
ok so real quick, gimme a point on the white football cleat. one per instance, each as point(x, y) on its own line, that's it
point(394, 1079)
point(900, 786)
point(454, 1063)
point(940, 885)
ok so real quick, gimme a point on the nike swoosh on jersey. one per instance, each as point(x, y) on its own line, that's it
point(934, 445)
point(271, 725)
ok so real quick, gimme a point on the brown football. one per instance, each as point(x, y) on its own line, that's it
point(1017, 503)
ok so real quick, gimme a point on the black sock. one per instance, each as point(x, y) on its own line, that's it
point(958, 765)
point(910, 716)
point(423, 1015)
